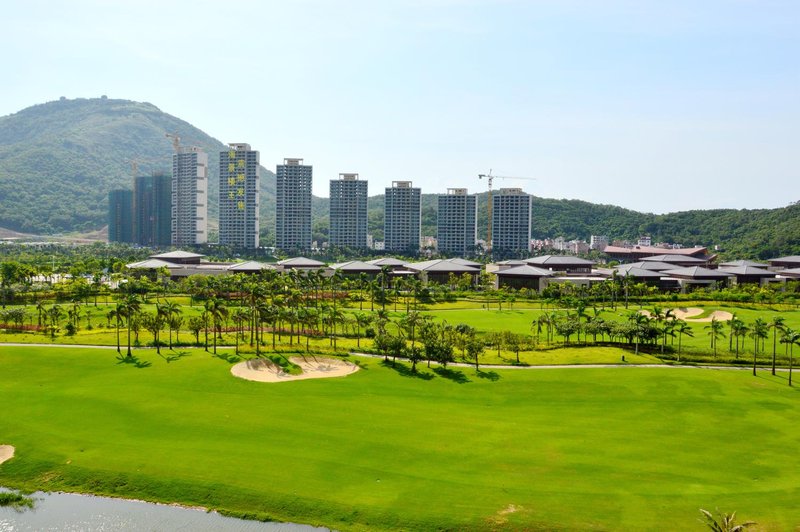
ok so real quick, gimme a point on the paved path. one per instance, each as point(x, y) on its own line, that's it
point(589, 366)
point(454, 364)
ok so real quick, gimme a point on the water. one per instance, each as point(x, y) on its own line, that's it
point(68, 512)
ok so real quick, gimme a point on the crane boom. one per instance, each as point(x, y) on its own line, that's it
point(489, 179)
point(176, 141)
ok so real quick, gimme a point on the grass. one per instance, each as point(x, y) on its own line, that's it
point(623, 448)
point(15, 500)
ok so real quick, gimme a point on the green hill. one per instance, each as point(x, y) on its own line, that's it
point(58, 161)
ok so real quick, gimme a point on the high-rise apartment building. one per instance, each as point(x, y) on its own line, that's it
point(457, 229)
point(238, 197)
point(189, 196)
point(511, 223)
point(152, 208)
point(348, 212)
point(293, 205)
point(403, 218)
point(120, 216)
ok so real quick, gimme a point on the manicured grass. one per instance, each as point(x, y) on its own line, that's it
point(622, 448)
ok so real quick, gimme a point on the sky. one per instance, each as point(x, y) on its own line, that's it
point(658, 106)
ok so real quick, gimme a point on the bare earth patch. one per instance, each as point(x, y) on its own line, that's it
point(262, 370)
point(6, 453)
point(687, 313)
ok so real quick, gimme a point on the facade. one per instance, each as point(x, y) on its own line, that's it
point(598, 242)
point(348, 212)
point(189, 196)
point(511, 223)
point(457, 227)
point(152, 210)
point(293, 205)
point(120, 216)
point(402, 223)
point(239, 197)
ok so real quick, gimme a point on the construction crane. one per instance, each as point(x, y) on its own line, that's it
point(489, 179)
point(176, 141)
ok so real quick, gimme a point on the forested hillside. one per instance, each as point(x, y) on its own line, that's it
point(58, 161)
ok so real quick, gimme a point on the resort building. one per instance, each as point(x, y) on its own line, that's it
point(120, 216)
point(511, 223)
point(152, 210)
point(457, 229)
point(402, 218)
point(293, 205)
point(239, 197)
point(189, 196)
point(348, 212)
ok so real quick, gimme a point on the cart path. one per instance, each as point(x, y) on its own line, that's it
point(453, 364)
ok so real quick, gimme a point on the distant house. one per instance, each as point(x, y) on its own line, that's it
point(785, 262)
point(562, 263)
point(637, 253)
point(749, 274)
point(184, 263)
point(355, 268)
point(301, 263)
point(439, 271)
point(695, 276)
point(522, 277)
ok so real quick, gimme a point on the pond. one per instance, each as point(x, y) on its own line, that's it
point(72, 512)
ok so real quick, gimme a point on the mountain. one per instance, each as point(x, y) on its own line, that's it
point(58, 160)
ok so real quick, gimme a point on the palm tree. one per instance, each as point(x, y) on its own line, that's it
point(724, 522)
point(758, 332)
point(777, 324)
point(410, 322)
point(170, 310)
point(117, 313)
point(731, 323)
point(715, 333)
point(239, 317)
point(130, 307)
point(681, 327)
point(218, 312)
point(790, 337)
point(362, 321)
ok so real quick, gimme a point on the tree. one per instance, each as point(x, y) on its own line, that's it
point(217, 311)
point(789, 338)
point(117, 314)
point(715, 332)
point(171, 311)
point(130, 307)
point(155, 324)
point(681, 328)
point(777, 325)
point(475, 349)
point(239, 316)
point(723, 522)
point(195, 325)
point(362, 321)
point(757, 332)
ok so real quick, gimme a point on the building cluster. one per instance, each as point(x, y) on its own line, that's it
point(172, 210)
point(680, 271)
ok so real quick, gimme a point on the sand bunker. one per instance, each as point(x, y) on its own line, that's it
point(263, 370)
point(687, 313)
point(6, 453)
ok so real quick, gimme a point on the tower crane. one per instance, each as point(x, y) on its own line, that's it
point(134, 168)
point(176, 141)
point(489, 179)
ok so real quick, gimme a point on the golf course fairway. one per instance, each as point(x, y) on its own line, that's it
point(381, 449)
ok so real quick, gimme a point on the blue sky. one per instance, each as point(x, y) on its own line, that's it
point(658, 106)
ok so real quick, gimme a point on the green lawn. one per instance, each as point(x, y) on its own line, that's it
point(622, 448)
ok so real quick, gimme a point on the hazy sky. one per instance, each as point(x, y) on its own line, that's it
point(653, 105)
